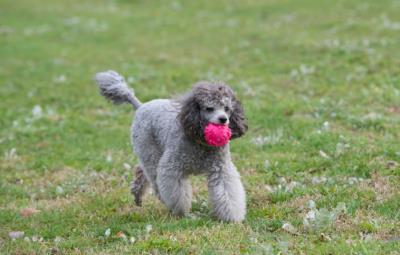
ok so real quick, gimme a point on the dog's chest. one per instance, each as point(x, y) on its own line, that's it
point(202, 161)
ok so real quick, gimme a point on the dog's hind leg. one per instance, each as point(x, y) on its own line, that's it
point(139, 185)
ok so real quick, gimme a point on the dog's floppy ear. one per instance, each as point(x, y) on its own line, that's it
point(237, 121)
point(189, 116)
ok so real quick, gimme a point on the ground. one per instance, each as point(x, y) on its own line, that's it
point(320, 84)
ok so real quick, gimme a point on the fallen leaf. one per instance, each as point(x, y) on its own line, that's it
point(57, 239)
point(323, 154)
point(37, 239)
point(267, 164)
point(311, 204)
point(59, 190)
point(16, 234)
point(391, 164)
point(26, 212)
point(121, 235)
point(324, 238)
point(318, 180)
point(127, 166)
point(393, 109)
point(149, 228)
point(309, 218)
point(107, 232)
point(289, 228)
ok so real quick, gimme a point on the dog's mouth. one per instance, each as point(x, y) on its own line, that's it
point(218, 123)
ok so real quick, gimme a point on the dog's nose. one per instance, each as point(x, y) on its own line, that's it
point(222, 120)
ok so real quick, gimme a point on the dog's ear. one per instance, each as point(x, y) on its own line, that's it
point(190, 117)
point(237, 121)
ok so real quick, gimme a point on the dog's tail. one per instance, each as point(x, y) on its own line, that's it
point(114, 88)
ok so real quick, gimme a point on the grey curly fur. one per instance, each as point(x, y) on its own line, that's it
point(113, 87)
point(167, 136)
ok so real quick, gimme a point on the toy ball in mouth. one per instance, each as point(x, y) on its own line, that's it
point(217, 135)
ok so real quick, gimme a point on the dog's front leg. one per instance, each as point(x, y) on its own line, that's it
point(174, 188)
point(226, 193)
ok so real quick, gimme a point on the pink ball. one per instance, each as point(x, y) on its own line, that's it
point(217, 135)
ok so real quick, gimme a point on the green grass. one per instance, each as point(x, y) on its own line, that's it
point(320, 84)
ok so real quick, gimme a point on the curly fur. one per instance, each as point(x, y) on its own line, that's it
point(168, 139)
point(190, 117)
point(113, 87)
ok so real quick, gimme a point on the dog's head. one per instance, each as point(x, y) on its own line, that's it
point(211, 102)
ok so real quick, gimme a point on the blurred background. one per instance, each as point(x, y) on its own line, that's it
point(319, 81)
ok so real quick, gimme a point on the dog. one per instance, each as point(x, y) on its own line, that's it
point(168, 138)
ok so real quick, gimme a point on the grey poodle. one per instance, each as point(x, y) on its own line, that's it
point(168, 139)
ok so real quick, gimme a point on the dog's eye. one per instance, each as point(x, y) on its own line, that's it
point(209, 109)
point(226, 108)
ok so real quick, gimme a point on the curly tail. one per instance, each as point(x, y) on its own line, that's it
point(114, 88)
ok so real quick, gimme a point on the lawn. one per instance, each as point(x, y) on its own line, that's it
point(320, 84)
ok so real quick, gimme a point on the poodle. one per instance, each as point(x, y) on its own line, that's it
point(168, 138)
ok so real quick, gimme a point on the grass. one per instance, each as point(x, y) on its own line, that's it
point(320, 84)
